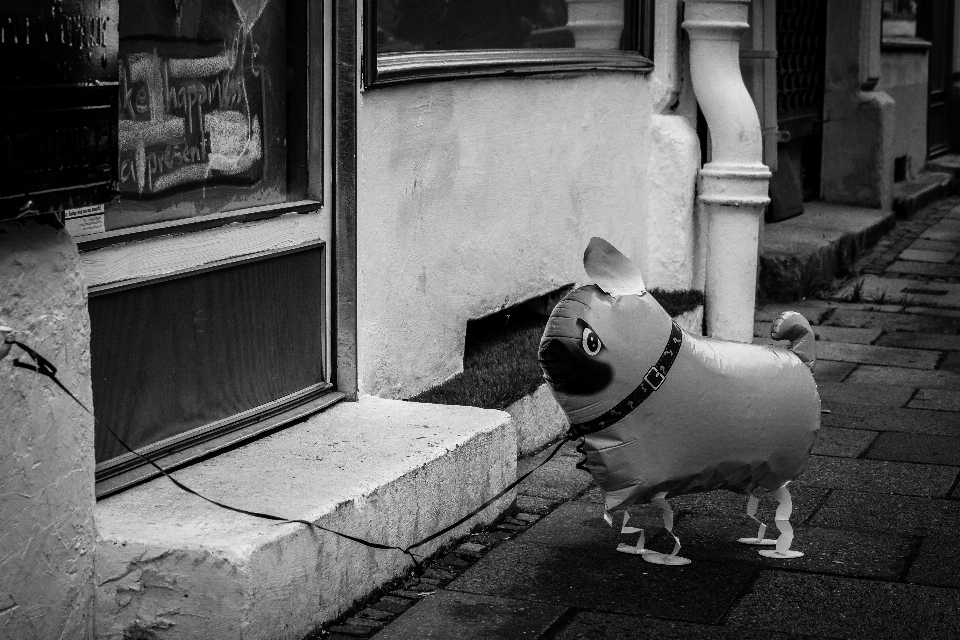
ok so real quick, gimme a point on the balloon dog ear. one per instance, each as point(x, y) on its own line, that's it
point(611, 270)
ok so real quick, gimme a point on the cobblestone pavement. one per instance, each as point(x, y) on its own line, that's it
point(876, 512)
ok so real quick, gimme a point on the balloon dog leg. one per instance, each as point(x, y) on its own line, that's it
point(784, 509)
point(638, 549)
point(661, 558)
point(752, 514)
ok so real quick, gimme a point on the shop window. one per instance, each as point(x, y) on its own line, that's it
point(430, 39)
point(206, 332)
point(899, 18)
point(211, 117)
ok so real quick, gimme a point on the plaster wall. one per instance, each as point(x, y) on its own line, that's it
point(479, 194)
point(46, 452)
point(904, 78)
point(857, 165)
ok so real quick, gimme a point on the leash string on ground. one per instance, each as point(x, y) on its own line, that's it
point(45, 368)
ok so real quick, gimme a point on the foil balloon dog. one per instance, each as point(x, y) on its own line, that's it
point(664, 413)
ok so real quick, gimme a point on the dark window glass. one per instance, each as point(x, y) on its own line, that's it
point(458, 25)
point(899, 18)
point(176, 356)
point(210, 94)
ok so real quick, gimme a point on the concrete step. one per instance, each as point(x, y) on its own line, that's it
point(170, 565)
point(804, 254)
point(912, 195)
point(949, 163)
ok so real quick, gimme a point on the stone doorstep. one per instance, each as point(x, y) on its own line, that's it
point(813, 247)
point(912, 195)
point(386, 470)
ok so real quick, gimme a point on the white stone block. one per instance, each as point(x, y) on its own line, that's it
point(384, 470)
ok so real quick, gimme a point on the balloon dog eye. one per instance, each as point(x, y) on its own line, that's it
point(591, 342)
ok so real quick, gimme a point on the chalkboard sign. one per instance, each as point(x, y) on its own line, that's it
point(58, 115)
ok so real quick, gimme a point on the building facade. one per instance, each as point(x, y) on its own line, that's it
point(223, 219)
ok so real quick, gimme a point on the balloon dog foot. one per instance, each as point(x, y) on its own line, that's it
point(665, 558)
point(784, 509)
point(780, 555)
point(637, 550)
point(654, 557)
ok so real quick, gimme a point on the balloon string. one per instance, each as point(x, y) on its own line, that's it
point(45, 368)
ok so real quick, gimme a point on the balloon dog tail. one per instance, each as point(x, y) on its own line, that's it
point(792, 326)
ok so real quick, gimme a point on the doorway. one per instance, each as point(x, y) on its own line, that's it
point(935, 23)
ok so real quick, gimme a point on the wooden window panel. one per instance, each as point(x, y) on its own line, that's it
point(174, 356)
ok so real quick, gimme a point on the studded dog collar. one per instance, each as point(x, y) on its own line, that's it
point(650, 383)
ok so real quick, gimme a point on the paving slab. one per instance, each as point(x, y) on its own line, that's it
point(869, 555)
point(912, 447)
point(866, 306)
point(926, 255)
point(911, 340)
point(932, 311)
point(606, 580)
point(868, 354)
point(732, 505)
point(832, 371)
point(533, 504)
point(889, 322)
point(842, 443)
point(938, 560)
point(878, 476)
point(936, 400)
point(846, 334)
point(559, 479)
point(951, 363)
point(813, 310)
point(596, 625)
point(945, 224)
point(832, 393)
point(941, 235)
point(903, 377)
point(825, 333)
point(886, 513)
point(922, 244)
point(839, 607)
point(468, 616)
point(902, 291)
point(932, 269)
point(880, 418)
point(580, 524)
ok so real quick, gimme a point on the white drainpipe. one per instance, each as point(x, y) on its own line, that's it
point(733, 185)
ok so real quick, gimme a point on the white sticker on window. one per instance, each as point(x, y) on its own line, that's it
point(83, 211)
point(85, 225)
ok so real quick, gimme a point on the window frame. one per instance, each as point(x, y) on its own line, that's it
point(255, 233)
point(309, 128)
point(425, 66)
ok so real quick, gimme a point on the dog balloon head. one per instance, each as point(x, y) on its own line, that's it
point(601, 339)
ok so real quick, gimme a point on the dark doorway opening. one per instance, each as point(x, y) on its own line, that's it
point(935, 23)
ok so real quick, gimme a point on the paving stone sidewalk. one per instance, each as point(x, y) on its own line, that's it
point(876, 512)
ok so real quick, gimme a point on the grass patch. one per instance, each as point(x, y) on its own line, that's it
point(500, 357)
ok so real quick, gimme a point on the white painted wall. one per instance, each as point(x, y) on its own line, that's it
point(46, 452)
point(904, 79)
point(478, 194)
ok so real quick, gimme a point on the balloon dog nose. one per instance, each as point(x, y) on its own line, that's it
point(569, 370)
